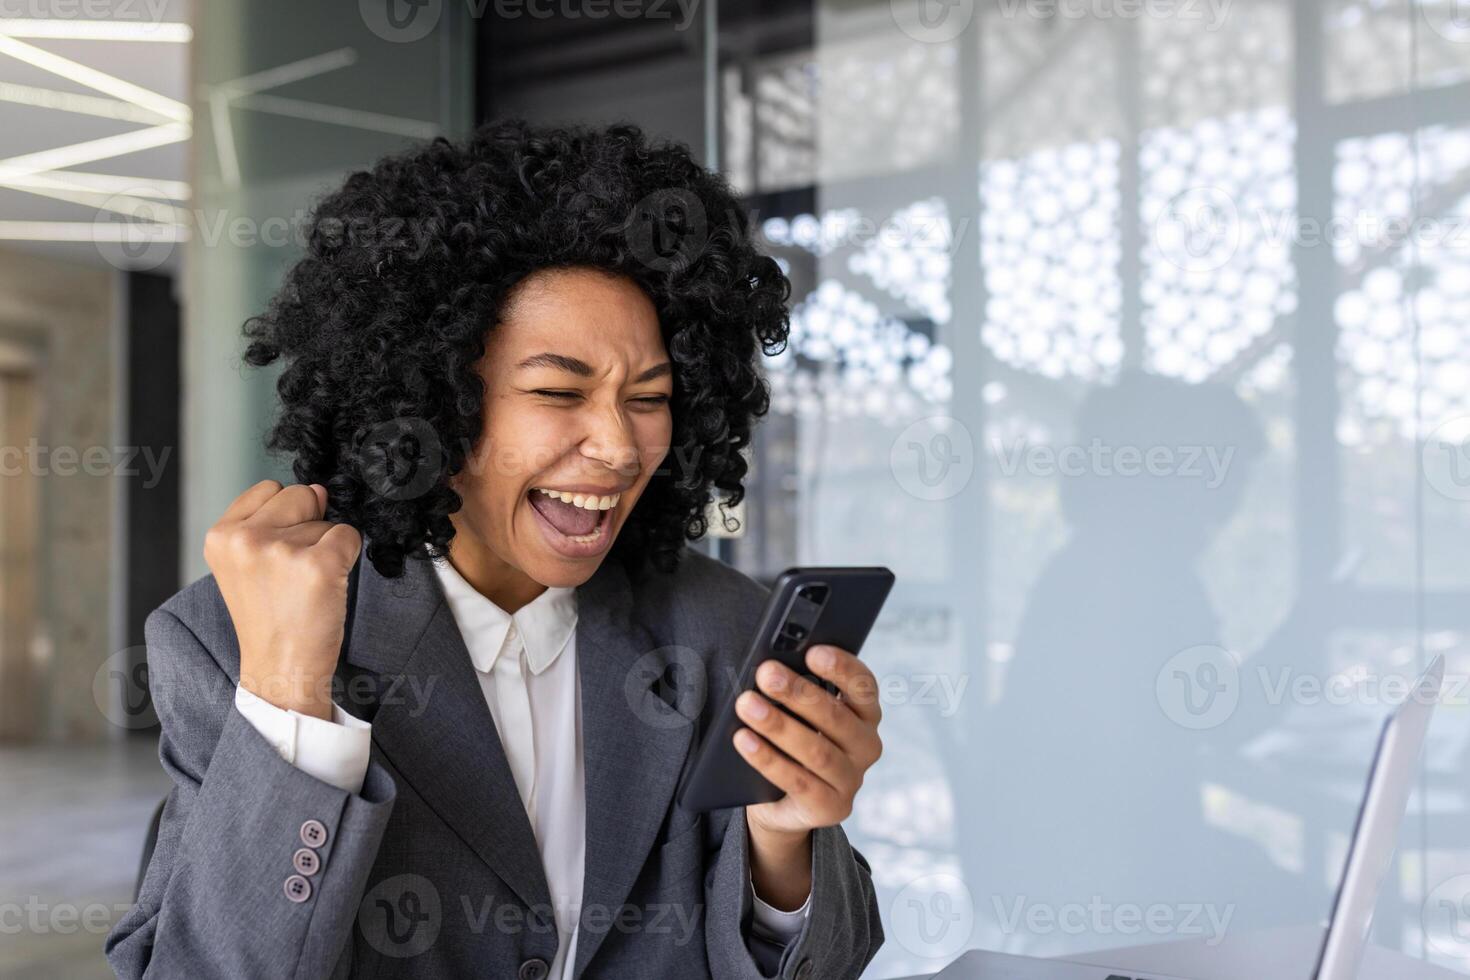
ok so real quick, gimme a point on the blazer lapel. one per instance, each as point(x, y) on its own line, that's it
point(433, 724)
point(634, 743)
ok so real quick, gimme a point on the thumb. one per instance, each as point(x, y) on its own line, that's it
point(321, 499)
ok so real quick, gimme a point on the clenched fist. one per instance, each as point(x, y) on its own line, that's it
point(283, 572)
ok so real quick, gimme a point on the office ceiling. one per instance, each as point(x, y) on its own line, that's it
point(94, 134)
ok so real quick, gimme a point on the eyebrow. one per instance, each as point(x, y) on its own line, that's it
point(657, 371)
point(560, 361)
point(584, 370)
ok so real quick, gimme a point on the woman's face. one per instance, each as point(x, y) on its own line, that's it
point(577, 391)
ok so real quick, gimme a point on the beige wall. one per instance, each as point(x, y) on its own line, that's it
point(63, 317)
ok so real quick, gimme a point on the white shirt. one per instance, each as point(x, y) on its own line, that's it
point(527, 666)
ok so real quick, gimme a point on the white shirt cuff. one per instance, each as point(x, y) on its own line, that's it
point(335, 751)
point(774, 924)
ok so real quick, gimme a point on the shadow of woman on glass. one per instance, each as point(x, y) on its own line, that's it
point(1116, 708)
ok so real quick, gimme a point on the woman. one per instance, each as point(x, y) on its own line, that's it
point(517, 369)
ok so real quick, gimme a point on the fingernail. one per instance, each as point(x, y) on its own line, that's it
point(823, 657)
point(755, 706)
point(775, 678)
point(745, 741)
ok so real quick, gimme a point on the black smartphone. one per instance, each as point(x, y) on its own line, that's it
point(835, 606)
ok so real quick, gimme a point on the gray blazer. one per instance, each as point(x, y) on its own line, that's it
point(263, 871)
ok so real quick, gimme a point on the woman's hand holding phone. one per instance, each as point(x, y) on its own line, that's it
point(283, 571)
point(828, 758)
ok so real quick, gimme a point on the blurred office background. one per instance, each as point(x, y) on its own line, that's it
point(1134, 335)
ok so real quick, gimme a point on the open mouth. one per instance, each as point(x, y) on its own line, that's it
point(575, 524)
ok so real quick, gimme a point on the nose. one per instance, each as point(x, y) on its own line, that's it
point(609, 440)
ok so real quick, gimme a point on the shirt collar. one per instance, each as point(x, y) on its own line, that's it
point(546, 623)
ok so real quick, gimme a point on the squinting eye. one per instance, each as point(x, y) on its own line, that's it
point(653, 400)
point(549, 393)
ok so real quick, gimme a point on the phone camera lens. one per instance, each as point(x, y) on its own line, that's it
point(795, 631)
point(814, 593)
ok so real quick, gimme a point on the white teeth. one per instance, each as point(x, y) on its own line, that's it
point(587, 538)
point(588, 501)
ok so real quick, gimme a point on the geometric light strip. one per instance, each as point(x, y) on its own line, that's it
point(87, 105)
point(337, 115)
point(98, 149)
point(163, 106)
point(157, 187)
point(87, 231)
point(97, 30)
point(125, 204)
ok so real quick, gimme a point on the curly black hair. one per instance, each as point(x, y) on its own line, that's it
point(408, 266)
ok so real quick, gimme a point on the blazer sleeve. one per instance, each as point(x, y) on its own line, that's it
point(223, 894)
point(842, 932)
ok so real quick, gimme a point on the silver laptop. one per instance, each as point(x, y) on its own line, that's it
point(1390, 781)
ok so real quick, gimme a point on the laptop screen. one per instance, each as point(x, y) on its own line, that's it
point(1390, 782)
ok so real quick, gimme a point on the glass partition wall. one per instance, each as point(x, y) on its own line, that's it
point(1133, 337)
point(288, 99)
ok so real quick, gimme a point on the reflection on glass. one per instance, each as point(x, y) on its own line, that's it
point(1172, 467)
